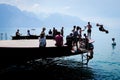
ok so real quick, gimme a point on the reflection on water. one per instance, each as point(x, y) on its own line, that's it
point(104, 66)
point(64, 68)
point(113, 45)
point(52, 69)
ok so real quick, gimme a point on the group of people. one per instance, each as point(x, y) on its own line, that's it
point(17, 34)
point(57, 36)
point(75, 40)
point(76, 35)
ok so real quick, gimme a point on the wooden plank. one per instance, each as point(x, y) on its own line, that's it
point(30, 37)
point(25, 43)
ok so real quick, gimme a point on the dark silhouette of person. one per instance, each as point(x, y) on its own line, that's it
point(89, 30)
point(101, 28)
point(42, 40)
point(28, 33)
point(62, 31)
point(89, 46)
point(54, 32)
point(17, 34)
point(113, 43)
point(74, 28)
point(80, 33)
point(69, 40)
point(43, 31)
point(59, 40)
point(76, 36)
point(50, 32)
point(86, 41)
point(90, 49)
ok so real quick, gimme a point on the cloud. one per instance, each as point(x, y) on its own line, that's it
point(45, 7)
point(81, 8)
point(87, 10)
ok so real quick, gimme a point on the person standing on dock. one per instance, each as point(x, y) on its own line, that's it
point(42, 40)
point(86, 41)
point(54, 32)
point(89, 26)
point(80, 34)
point(62, 31)
point(76, 37)
point(43, 31)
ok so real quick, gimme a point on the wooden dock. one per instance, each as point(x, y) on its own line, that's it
point(31, 43)
point(30, 37)
point(20, 51)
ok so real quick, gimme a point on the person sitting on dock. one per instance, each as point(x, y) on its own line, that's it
point(28, 33)
point(50, 33)
point(69, 40)
point(17, 34)
point(74, 48)
point(59, 40)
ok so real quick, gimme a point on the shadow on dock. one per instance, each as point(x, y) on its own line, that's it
point(10, 55)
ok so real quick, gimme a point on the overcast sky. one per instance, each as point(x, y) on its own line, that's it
point(103, 11)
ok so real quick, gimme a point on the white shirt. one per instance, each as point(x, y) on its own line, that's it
point(42, 41)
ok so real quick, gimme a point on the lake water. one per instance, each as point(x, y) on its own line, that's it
point(104, 66)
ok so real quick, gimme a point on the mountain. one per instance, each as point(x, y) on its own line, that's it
point(12, 17)
point(59, 20)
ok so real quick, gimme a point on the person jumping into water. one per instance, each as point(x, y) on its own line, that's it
point(101, 28)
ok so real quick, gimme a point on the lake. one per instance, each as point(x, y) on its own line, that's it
point(105, 64)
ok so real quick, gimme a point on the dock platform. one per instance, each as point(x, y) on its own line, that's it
point(20, 51)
